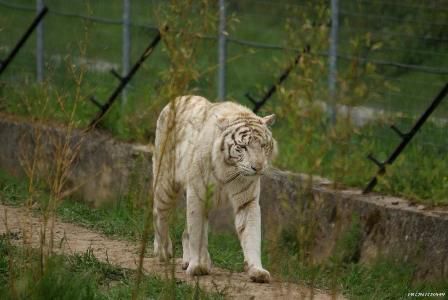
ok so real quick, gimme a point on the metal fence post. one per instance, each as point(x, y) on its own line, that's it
point(332, 59)
point(222, 51)
point(126, 51)
point(40, 44)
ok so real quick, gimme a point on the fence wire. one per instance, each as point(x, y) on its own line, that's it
point(406, 41)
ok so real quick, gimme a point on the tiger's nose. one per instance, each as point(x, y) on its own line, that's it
point(257, 167)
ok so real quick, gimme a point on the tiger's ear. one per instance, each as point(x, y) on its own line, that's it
point(269, 120)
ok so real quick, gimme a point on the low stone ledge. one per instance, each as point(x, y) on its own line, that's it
point(388, 226)
point(96, 168)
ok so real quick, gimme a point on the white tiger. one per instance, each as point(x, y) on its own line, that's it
point(213, 152)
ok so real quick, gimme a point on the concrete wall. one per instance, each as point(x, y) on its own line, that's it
point(389, 226)
point(103, 169)
point(95, 167)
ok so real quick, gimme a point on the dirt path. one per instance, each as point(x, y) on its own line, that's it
point(70, 238)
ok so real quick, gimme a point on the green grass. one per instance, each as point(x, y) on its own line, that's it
point(80, 276)
point(420, 174)
point(285, 256)
point(387, 277)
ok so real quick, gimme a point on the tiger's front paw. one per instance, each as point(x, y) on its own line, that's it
point(185, 265)
point(198, 269)
point(259, 275)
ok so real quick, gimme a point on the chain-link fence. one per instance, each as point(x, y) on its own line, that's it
point(404, 42)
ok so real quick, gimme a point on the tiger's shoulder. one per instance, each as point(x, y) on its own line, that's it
point(200, 113)
point(191, 100)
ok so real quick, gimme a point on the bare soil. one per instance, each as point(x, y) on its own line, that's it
point(69, 239)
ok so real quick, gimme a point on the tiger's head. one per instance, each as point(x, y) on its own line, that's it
point(246, 143)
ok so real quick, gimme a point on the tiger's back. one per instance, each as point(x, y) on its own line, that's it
point(178, 127)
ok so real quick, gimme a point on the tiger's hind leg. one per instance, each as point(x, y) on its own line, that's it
point(164, 202)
